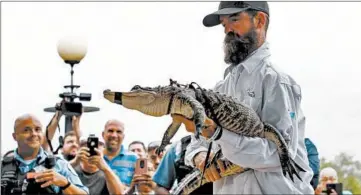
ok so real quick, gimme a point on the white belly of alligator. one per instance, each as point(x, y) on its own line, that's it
point(192, 181)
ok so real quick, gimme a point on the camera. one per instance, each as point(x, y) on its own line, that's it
point(70, 108)
point(335, 186)
point(92, 143)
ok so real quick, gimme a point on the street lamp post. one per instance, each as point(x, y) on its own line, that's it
point(72, 51)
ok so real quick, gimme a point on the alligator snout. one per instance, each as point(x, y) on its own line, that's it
point(109, 95)
point(107, 90)
point(115, 97)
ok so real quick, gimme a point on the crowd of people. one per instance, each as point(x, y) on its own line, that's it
point(112, 168)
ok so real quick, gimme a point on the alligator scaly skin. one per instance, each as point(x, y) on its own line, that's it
point(237, 117)
point(192, 180)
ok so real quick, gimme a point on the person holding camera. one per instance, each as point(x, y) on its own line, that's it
point(120, 161)
point(142, 182)
point(71, 138)
point(93, 171)
point(33, 170)
point(329, 184)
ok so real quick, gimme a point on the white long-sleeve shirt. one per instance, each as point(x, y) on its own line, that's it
point(276, 98)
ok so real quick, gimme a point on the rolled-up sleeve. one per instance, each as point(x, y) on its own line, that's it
point(193, 148)
point(279, 108)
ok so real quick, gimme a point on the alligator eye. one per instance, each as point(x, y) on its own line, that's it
point(136, 87)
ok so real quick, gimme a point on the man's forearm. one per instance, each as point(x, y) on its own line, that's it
point(72, 189)
point(51, 131)
point(74, 162)
point(160, 190)
point(114, 185)
point(76, 129)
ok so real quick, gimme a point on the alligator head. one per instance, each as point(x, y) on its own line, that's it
point(150, 101)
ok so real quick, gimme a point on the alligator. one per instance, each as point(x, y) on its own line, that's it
point(197, 104)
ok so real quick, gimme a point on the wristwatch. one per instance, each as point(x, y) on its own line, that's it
point(66, 186)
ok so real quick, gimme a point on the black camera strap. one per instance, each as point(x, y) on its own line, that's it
point(60, 137)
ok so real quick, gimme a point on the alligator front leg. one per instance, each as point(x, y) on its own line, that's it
point(199, 114)
point(168, 135)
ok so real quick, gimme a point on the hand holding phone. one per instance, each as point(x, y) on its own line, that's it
point(92, 143)
point(141, 166)
point(333, 186)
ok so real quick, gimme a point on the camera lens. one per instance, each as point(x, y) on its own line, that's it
point(141, 164)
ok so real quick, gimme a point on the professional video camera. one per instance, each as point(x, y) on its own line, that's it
point(70, 108)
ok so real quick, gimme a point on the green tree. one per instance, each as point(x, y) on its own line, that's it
point(348, 171)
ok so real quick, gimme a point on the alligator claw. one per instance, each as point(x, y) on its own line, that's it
point(159, 150)
point(198, 132)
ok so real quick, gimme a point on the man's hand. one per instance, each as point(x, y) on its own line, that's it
point(211, 173)
point(50, 177)
point(144, 183)
point(191, 127)
point(333, 192)
point(98, 160)
point(321, 187)
point(82, 155)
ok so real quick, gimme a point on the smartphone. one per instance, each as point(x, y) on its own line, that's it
point(92, 143)
point(141, 166)
point(336, 186)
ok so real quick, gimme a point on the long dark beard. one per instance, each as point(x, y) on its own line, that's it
point(237, 48)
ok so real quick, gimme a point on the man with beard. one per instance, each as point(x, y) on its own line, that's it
point(120, 161)
point(275, 96)
point(70, 145)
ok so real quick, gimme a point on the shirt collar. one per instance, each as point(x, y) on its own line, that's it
point(255, 58)
point(121, 152)
point(41, 156)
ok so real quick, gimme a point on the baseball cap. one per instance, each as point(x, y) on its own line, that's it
point(153, 145)
point(233, 7)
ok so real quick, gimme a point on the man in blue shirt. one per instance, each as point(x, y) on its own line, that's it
point(30, 156)
point(120, 161)
point(314, 161)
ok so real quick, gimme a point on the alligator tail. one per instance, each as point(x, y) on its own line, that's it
point(288, 164)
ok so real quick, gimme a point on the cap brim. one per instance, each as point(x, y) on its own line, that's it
point(213, 18)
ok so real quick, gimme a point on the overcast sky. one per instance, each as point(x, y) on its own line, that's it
point(147, 43)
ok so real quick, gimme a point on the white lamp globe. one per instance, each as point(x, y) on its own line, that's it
point(72, 48)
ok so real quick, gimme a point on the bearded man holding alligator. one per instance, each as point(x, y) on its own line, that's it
point(274, 96)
